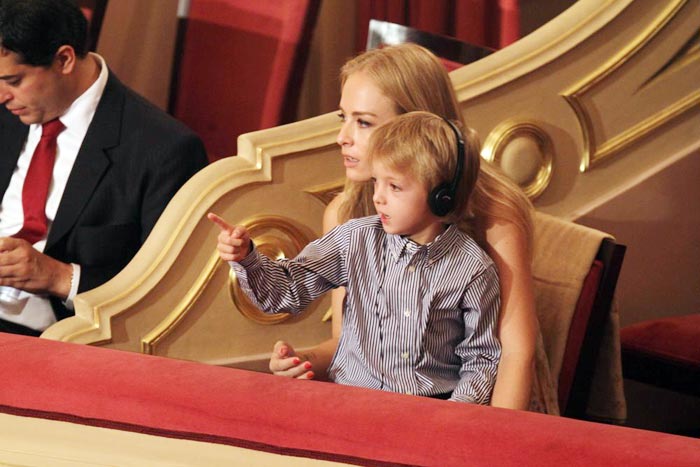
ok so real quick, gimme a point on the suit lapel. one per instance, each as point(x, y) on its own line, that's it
point(92, 161)
point(13, 134)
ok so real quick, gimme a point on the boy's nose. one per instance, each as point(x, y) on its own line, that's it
point(377, 197)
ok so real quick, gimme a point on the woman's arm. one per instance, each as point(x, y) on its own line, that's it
point(314, 363)
point(508, 247)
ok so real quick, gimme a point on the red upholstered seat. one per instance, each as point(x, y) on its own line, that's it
point(577, 333)
point(94, 11)
point(240, 67)
point(307, 419)
point(587, 328)
point(664, 352)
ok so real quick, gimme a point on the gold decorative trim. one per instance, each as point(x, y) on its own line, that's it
point(151, 340)
point(265, 232)
point(252, 158)
point(499, 138)
point(327, 191)
point(524, 58)
point(687, 54)
point(262, 230)
point(594, 152)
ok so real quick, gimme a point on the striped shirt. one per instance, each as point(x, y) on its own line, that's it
point(417, 319)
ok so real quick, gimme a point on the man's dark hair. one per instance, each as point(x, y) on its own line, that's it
point(35, 29)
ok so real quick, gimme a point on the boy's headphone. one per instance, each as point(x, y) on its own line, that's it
point(442, 198)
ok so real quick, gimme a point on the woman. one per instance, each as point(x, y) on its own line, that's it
point(377, 86)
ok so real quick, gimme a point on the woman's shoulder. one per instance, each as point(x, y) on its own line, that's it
point(506, 242)
point(330, 215)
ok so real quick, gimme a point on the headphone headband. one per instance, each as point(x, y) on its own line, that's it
point(442, 198)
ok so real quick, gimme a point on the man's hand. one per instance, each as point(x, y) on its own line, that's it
point(23, 267)
point(233, 241)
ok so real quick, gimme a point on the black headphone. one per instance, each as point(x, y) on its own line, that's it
point(442, 198)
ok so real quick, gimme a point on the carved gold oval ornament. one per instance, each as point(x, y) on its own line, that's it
point(524, 152)
point(276, 237)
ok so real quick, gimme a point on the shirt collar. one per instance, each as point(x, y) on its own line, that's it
point(398, 245)
point(79, 115)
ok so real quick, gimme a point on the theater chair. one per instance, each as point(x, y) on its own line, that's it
point(94, 11)
point(452, 52)
point(239, 66)
point(575, 269)
point(664, 352)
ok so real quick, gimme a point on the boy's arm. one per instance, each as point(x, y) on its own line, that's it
point(480, 350)
point(284, 285)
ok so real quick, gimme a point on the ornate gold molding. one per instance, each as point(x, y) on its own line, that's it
point(327, 191)
point(595, 151)
point(526, 145)
point(275, 237)
point(151, 340)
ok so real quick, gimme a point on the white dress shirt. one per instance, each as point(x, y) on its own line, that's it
point(34, 311)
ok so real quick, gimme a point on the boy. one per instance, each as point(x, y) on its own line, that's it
point(422, 298)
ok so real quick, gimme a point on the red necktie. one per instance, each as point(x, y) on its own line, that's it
point(36, 186)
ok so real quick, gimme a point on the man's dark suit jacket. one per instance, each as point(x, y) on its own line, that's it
point(132, 161)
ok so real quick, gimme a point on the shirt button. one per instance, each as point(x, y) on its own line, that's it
point(404, 355)
point(411, 268)
point(407, 313)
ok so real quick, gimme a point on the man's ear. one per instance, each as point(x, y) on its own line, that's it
point(65, 59)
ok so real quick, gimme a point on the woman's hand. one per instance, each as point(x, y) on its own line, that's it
point(285, 362)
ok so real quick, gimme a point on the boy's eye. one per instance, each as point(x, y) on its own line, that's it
point(394, 187)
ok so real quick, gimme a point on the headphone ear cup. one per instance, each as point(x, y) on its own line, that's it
point(441, 200)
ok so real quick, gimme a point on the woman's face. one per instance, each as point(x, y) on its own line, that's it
point(363, 108)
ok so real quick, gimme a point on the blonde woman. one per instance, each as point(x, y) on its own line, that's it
point(377, 86)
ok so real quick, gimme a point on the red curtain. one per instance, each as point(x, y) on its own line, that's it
point(490, 23)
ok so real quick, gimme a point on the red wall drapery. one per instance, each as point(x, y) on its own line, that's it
point(487, 23)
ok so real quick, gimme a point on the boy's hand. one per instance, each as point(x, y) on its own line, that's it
point(233, 241)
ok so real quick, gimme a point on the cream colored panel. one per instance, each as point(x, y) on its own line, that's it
point(173, 298)
point(613, 85)
point(26, 441)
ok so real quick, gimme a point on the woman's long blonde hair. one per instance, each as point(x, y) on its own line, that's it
point(415, 80)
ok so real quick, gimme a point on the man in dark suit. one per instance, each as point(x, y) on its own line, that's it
point(118, 161)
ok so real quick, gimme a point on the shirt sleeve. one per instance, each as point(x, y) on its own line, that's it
point(288, 286)
point(480, 351)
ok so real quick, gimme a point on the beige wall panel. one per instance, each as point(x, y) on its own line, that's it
point(137, 42)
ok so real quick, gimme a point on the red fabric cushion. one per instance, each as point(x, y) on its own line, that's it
point(241, 68)
point(674, 339)
point(181, 399)
point(577, 332)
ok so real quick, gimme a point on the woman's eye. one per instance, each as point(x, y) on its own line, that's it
point(363, 123)
point(341, 116)
point(395, 187)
